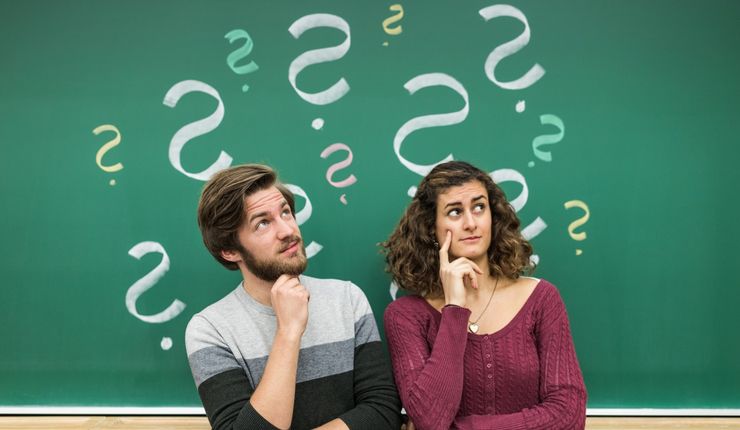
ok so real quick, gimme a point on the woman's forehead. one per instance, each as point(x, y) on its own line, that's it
point(463, 193)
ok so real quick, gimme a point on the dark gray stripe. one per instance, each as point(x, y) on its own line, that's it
point(211, 361)
point(366, 330)
point(314, 362)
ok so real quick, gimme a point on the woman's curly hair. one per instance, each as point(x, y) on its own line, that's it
point(411, 254)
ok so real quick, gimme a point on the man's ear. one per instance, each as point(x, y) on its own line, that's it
point(231, 255)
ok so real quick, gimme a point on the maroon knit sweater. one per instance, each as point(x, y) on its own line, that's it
point(524, 376)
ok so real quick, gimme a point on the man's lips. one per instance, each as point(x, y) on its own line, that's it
point(292, 246)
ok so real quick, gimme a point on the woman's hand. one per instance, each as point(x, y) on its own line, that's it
point(453, 274)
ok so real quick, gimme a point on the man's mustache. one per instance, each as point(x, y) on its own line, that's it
point(287, 243)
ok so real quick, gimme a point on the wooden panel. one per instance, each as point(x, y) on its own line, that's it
point(201, 423)
point(97, 423)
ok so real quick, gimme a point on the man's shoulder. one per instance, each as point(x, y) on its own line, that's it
point(225, 305)
point(310, 281)
point(331, 287)
point(214, 315)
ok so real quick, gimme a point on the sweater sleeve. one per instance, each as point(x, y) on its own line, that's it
point(223, 386)
point(562, 391)
point(376, 400)
point(429, 380)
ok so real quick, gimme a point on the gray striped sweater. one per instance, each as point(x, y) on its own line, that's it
point(343, 369)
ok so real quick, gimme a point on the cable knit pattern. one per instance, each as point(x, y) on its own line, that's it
point(524, 376)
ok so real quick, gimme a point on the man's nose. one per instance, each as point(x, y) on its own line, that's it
point(284, 228)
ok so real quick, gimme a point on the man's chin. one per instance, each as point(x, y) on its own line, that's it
point(270, 270)
point(271, 273)
point(295, 264)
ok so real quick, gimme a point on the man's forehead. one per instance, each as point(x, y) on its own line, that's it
point(264, 200)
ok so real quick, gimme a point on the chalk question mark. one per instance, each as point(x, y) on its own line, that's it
point(318, 56)
point(195, 129)
point(579, 222)
point(427, 121)
point(107, 147)
point(510, 48)
point(240, 53)
point(339, 166)
point(395, 31)
point(148, 281)
point(547, 139)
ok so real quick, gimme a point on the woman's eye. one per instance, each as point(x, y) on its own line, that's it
point(454, 212)
point(479, 208)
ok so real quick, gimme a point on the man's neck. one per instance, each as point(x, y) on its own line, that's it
point(258, 288)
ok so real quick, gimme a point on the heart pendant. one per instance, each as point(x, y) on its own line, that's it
point(473, 327)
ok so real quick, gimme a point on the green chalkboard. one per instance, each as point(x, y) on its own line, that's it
point(625, 111)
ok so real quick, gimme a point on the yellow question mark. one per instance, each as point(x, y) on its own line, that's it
point(579, 222)
point(105, 148)
point(395, 31)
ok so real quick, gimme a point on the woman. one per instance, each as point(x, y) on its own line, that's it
point(476, 345)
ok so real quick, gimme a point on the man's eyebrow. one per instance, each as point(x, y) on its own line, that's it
point(252, 217)
point(257, 215)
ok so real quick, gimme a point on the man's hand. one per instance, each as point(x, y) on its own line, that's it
point(274, 396)
point(290, 303)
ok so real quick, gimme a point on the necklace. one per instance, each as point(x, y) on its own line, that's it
point(473, 325)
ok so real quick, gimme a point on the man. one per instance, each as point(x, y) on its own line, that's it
point(265, 356)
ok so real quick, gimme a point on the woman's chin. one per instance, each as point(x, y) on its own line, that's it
point(469, 254)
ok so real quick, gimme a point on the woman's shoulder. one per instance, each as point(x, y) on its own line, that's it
point(546, 296)
point(410, 316)
point(541, 287)
point(409, 307)
point(410, 302)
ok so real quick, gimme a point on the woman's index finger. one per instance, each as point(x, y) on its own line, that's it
point(444, 257)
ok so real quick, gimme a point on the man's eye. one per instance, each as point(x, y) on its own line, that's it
point(262, 224)
point(287, 214)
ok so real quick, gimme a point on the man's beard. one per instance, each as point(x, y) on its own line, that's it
point(270, 270)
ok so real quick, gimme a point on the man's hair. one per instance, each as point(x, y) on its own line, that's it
point(221, 209)
point(411, 254)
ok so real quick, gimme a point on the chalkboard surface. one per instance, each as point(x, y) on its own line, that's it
point(612, 126)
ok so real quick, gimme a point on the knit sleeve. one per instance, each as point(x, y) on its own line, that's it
point(223, 386)
point(562, 391)
point(429, 379)
point(376, 400)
